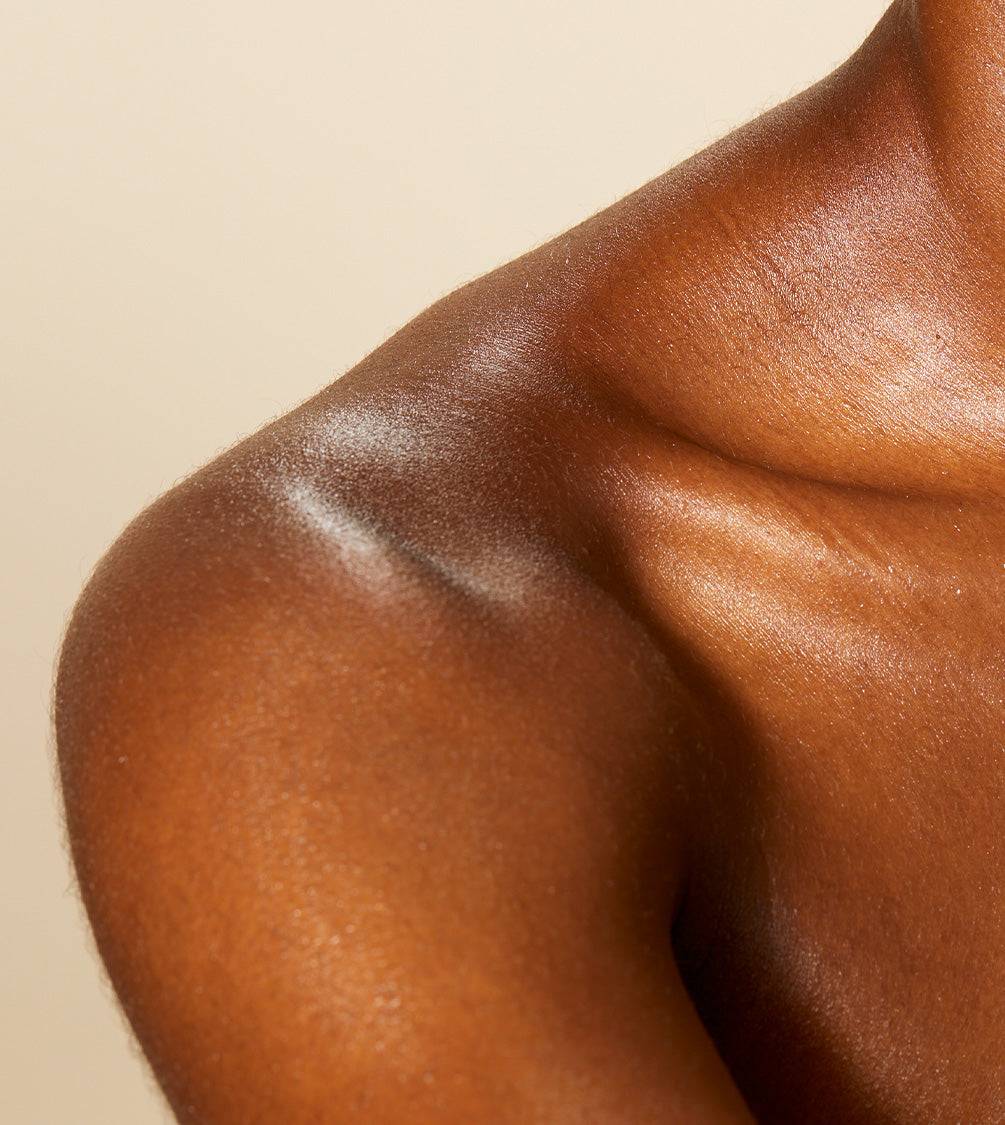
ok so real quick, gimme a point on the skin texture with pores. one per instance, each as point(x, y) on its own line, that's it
point(590, 708)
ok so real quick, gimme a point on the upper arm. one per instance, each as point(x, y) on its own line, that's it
point(363, 836)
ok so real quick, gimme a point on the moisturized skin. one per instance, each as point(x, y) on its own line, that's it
point(591, 708)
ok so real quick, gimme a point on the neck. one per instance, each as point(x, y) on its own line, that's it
point(957, 51)
point(818, 293)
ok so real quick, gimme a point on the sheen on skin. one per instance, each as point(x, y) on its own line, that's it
point(590, 708)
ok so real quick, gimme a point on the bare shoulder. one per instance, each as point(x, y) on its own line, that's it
point(369, 779)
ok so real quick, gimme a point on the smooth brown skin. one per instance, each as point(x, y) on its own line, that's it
point(614, 655)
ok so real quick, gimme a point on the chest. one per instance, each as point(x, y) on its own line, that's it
point(844, 936)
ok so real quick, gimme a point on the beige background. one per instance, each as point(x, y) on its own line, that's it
point(210, 210)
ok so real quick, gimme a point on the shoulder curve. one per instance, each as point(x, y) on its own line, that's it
point(356, 749)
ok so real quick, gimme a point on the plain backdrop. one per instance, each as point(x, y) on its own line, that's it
point(208, 211)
